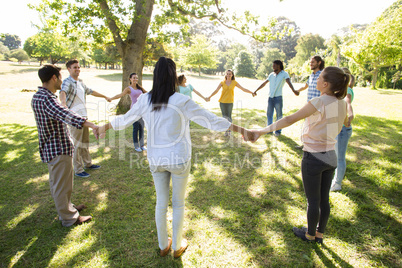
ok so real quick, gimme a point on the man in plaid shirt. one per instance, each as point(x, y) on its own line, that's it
point(55, 146)
point(317, 64)
point(73, 96)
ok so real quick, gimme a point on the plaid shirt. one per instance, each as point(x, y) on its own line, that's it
point(69, 86)
point(51, 118)
point(312, 90)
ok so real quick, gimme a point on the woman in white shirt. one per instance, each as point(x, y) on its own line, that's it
point(166, 115)
point(324, 116)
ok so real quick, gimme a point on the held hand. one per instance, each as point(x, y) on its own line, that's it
point(297, 93)
point(254, 94)
point(208, 99)
point(95, 130)
point(108, 99)
point(101, 132)
point(350, 118)
point(251, 135)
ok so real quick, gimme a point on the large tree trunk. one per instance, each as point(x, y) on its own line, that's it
point(131, 49)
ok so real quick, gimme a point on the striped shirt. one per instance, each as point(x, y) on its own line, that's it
point(51, 117)
point(312, 90)
point(69, 86)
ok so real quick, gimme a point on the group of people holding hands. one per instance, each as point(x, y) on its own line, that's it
point(166, 114)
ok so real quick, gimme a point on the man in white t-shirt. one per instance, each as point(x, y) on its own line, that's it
point(73, 96)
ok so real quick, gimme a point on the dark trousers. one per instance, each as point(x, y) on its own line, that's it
point(138, 133)
point(317, 173)
point(226, 109)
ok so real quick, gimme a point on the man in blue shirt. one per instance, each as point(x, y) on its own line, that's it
point(317, 64)
point(277, 78)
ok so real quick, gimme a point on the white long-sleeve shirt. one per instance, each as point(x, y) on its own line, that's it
point(168, 131)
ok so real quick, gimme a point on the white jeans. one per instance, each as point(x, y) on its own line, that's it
point(162, 174)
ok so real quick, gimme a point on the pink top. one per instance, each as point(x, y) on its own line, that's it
point(321, 128)
point(134, 94)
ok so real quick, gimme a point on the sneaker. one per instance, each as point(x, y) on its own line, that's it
point(138, 149)
point(82, 174)
point(94, 167)
point(144, 148)
point(277, 134)
point(317, 239)
point(335, 187)
point(301, 234)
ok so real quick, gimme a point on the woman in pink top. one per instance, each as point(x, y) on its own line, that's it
point(324, 116)
point(138, 126)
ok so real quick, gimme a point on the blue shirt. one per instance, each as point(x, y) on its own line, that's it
point(186, 90)
point(312, 90)
point(276, 82)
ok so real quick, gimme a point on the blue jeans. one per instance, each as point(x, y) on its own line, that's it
point(162, 175)
point(138, 133)
point(277, 104)
point(340, 148)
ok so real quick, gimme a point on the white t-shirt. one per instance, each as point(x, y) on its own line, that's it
point(321, 128)
point(78, 105)
point(168, 131)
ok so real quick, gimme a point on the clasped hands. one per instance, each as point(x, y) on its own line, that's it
point(251, 135)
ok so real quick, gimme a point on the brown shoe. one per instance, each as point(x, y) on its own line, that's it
point(177, 253)
point(164, 252)
point(82, 219)
point(80, 207)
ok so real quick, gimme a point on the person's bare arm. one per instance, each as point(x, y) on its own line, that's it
point(303, 88)
point(261, 86)
point(63, 98)
point(245, 89)
point(123, 93)
point(99, 95)
point(199, 94)
point(216, 91)
point(291, 87)
point(350, 116)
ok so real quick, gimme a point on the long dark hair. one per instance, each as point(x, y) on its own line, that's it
point(319, 59)
point(137, 85)
point(165, 83)
point(337, 79)
point(279, 63)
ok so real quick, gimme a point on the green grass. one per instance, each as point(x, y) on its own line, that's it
point(242, 198)
point(242, 201)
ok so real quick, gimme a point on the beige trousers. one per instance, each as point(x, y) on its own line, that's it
point(61, 186)
point(81, 156)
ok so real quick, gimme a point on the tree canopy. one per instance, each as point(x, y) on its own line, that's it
point(128, 24)
point(380, 44)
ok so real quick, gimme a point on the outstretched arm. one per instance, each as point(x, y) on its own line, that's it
point(245, 89)
point(101, 131)
point(99, 95)
point(123, 93)
point(199, 94)
point(261, 86)
point(291, 87)
point(216, 91)
point(304, 112)
point(303, 88)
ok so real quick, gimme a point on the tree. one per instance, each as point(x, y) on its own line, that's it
point(47, 46)
point(380, 44)
point(201, 54)
point(243, 65)
point(19, 54)
point(4, 51)
point(11, 41)
point(307, 46)
point(270, 55)
point(286, 42)
point(129, 22)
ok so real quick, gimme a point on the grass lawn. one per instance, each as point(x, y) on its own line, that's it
point(242, 199)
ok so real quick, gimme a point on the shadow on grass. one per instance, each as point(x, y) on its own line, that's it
point(121, 198)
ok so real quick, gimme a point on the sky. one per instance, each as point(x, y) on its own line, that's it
point(323, 17)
